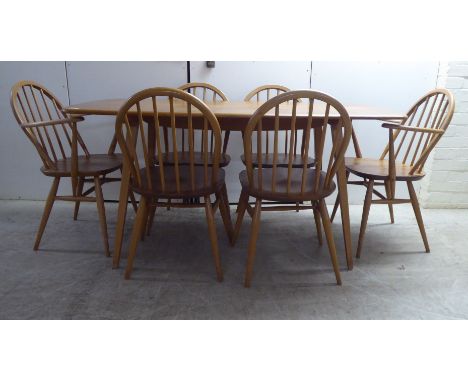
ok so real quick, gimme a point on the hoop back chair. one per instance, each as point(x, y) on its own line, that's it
point(297, 184)
point(55, 136)
point(207, 93)
point(154, 178)
point(403, 158)
point(266, 92)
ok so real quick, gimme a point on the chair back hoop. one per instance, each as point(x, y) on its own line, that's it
point(206, 92)
point(176, 111)
point(40, 115)
point(322, 111)
point(268, 91)
point(433, 111)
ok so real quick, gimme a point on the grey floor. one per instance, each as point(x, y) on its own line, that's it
point(70, 278)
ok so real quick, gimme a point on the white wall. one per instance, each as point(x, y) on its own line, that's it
point(19, 163)
point(446, 183)
point(389, 85)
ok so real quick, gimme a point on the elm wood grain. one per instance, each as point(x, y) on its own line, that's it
point(284, 185)
point(169, 180)
point(233, 116)
point(282, 160)
point(289, 183)
point(55, 136)
point(198, 158)
point(409, 144)
point(233, 111)
point(90, 165)
point(190, 184)
point(377, 169)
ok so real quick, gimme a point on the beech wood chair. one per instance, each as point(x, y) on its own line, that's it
point(264, 93)
point(155, 179)
point(261, 94)
point(205, 92)
point(297, 184)
point(403, 158)
point(55, 136)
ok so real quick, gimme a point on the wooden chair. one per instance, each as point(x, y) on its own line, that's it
point(403, 159)
point(262, 94)
point(55, 136)
point(297, 184)
point(155, 179)
point(205, 92)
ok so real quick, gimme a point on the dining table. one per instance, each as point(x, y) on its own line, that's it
point(234, 116)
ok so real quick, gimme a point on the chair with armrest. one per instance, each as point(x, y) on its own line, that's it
point(402, 160)
point(55, 136)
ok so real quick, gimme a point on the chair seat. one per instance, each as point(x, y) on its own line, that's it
point(198, 157)
point(282, 160)
point(378, 169)
point(94, 165)
point(277, 190)
point(202, 186)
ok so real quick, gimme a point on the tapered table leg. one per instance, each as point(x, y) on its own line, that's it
point(121, 215)
point(343, 197)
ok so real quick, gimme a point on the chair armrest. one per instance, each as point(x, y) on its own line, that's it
point(76, 117)
point(396, 126)
point(53, 122)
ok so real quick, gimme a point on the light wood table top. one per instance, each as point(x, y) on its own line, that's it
point(230, 109)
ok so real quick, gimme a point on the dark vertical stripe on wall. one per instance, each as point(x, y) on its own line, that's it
point(68, 87)
point(188, 71)
point(310, 77)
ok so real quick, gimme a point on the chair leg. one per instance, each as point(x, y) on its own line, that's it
point(253, 242)
point(102, 214)
point(136, 236)
point(242, 205)
point(47, 208)
point(226, 213)
point(337, 202)
point(226, 140)
point(77, 204)
point(133, 200)
point(318, 223)
point(132, 197)
point(151, 214)
point(213, 238)
point(417, 213)
point(365, 215)
point(330, 241)
point(388, 192)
